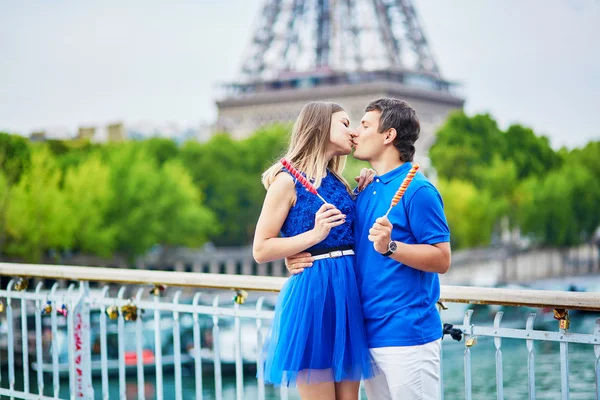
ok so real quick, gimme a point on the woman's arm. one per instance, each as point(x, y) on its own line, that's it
point(267, 245)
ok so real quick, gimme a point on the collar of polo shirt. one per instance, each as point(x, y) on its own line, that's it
point(391, 175)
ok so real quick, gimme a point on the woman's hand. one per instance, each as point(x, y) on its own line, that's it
point(365, 177)
point(326, 218)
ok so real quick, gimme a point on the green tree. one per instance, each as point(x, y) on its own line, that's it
point(161, 149)
point(500, 180)
point(153, 205)
point(88, 194)
point(70, 153)
point(561, 208)
point(531, 154)
point(464, 145)
point(15, 158)
point(185, 221)
point(471, 213)
point(228, 172)
point(588, 156)
point(36, 218)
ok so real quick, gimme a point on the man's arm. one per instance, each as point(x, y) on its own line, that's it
point(429, 227)
point(296, 263)
point(425, 257)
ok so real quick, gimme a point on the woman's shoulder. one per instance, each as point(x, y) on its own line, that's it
point(282, 181)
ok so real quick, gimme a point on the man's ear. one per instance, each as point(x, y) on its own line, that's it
point(390, 135)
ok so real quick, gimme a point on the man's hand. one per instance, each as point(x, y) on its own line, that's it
point(365, 177)
point(381, 234)
point(296, 263)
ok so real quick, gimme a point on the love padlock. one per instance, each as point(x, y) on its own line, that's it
point(158, 289)
point(130, 312)
point(62, 310)
point(21, 284)
point(562, 315)
point(47, 308)
point(112, 312)
point(240, 296)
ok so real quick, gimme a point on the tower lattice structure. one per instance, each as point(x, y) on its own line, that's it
point(348, 51)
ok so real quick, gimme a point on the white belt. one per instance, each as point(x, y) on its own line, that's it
point(334, 254)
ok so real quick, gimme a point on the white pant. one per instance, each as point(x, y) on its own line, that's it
point(406, 373)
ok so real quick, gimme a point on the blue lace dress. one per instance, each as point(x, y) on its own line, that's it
point(318, 332)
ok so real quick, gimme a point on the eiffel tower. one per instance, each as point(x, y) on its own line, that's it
point(347, 51)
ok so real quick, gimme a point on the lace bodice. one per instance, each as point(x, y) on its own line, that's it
point(301, 217)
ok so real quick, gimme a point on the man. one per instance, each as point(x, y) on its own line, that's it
point(398, 258)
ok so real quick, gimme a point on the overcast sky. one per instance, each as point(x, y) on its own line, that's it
point(69, 63)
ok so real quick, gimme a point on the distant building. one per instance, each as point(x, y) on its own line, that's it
point(116, 132)
point(38, 136)
point(86, 133)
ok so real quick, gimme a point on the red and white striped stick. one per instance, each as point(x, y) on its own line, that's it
point(301, 178)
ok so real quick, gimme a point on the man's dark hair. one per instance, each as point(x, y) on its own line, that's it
point(403, 118)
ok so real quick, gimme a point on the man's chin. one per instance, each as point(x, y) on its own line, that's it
point(357, 156)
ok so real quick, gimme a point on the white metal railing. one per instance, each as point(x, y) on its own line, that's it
point(69, 323)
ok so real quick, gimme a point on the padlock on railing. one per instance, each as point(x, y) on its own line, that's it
point(21, 284)
point(62, 310)
point(472, 341)
point(1, 306)
point(129, 311)
point(112, 312)
point(158, 289)
point(240, 296)
point(562, 315)
point(47, 309)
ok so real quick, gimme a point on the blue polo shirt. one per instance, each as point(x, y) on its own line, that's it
point(399, 302)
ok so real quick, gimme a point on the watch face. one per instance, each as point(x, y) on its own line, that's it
point(393, 246)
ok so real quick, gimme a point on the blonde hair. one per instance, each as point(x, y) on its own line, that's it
point(308, 145)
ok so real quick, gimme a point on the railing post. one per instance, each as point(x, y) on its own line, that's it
point(562, 315)
point(139, 350)
point(177, 348)
point(530, 357)
point(597, 354)
point(103, 347)
point(121, 345)
point(38, 338)
point(468, 343)
point(158, 350)
point(499, 368)
point(239, 366)
point(55, 351)
point(197, 349)
point(260, 371)
point(217, 350)
point(11, 341)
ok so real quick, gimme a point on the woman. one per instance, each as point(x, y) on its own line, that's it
point(317, 340)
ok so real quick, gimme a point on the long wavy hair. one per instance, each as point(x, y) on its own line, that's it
point(308, 145)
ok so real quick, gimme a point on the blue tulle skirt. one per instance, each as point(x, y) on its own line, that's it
point(318, 332)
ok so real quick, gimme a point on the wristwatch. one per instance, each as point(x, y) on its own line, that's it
point(392, 247)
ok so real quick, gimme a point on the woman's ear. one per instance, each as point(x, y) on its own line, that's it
point(390, 135)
